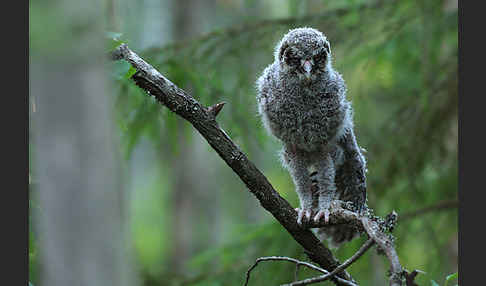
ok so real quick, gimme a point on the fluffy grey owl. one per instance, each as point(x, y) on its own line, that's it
point(302, 102)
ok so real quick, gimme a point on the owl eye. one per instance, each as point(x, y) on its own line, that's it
point(320, 57)
point(293, 60)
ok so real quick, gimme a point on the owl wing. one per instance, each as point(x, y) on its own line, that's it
point(352, 176)
point(267, 98)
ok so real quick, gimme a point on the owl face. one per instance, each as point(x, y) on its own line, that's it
point(305, 52)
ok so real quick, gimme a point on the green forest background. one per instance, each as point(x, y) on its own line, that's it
point(191, 220)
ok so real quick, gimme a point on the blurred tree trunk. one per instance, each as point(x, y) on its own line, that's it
point(80, 222)
point(192, 191)
point(112, 16)
point(184, 26)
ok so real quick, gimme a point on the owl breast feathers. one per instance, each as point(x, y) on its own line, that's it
point(308, 113)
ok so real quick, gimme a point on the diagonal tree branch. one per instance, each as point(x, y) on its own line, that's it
point(178, 101)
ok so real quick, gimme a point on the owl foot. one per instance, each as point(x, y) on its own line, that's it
point(303, 213)
point(322, 213)
point(324, 210)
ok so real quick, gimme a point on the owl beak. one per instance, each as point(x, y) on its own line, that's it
point(307, 66)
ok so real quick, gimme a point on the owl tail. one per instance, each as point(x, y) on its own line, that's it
point(337, 234)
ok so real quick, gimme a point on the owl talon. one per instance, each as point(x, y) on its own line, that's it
point(322, 213)
point(300, 215)
point(308, 214)
point(318, 216)
point(303, 213)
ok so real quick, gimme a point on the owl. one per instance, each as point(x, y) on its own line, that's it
point(302, 102)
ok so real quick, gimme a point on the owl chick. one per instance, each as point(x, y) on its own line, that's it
point(302, 102)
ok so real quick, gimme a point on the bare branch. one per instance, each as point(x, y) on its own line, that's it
point(178, 101)
point(281, 258)
point(385, 243)
point(369, 243)
point(297, 262)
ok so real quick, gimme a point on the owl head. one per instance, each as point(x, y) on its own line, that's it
point(304, 51)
